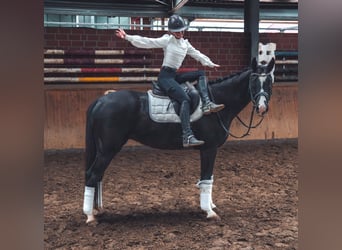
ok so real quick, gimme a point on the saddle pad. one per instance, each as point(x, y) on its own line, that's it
point(161, 109)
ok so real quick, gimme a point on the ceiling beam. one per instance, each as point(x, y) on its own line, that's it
point(178, 4)
point(162, 2)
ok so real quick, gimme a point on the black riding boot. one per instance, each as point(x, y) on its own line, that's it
point(207, 106)
point(189, 139)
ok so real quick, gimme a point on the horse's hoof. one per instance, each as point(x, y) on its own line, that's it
point(91, 220)
point(98, 210)
point(213, 216)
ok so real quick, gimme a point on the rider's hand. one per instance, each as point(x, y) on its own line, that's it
point(216, 66)
point(120, 33)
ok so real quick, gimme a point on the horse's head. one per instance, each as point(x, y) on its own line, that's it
point(260, 85)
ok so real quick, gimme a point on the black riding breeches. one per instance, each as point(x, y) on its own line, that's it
point(189, 76)
point(170, 81)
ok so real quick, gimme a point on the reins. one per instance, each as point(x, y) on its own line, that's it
point(249, 126)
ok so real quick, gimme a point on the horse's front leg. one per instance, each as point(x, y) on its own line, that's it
point(206, 182)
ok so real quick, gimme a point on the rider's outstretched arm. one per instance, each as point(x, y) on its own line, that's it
point(144, 42)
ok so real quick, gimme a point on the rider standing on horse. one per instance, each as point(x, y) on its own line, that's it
point(175, 49)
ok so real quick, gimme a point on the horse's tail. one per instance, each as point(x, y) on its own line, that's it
point(90, 146)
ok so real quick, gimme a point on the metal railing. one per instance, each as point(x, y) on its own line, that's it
point(163, 27)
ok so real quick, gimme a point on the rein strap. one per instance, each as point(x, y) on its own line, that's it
point(250, 126)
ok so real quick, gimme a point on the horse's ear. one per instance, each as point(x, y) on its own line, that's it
point(270, 65)
point(254, 64)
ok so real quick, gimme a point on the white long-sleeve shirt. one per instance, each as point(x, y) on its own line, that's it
point(175, 50)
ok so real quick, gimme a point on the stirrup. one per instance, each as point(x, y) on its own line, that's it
point(191, 141)
point(212, 108)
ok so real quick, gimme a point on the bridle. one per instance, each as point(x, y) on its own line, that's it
point(260, 93)
point(253, 99)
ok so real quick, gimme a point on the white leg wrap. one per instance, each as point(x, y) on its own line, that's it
point(206, 194)
point(99, 195)
point(88, 203)
point(211, 196)
point(206, 202)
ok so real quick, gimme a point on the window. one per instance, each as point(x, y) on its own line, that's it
point(98, 22)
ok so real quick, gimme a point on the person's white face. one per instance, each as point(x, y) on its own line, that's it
point(178, 35)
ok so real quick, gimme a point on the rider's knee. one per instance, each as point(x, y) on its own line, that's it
point(170, 90)
point(185, 104)
point(187, 99)
point(201, 73)
point(202, 78)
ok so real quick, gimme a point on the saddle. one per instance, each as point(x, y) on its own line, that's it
point(163, 109)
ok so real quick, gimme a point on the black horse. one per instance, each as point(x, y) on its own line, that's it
point(114, 118)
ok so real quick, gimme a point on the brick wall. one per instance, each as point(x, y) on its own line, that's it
point(228, 49)
point(284, 41)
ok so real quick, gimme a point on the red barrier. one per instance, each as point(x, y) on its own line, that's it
point(92, 66)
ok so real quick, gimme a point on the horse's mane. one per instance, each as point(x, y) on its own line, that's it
point(231, 77)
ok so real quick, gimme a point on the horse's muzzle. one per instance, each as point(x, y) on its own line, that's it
point(262, 110)
point(262, 105)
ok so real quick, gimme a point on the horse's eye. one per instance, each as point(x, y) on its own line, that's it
point(260, 52)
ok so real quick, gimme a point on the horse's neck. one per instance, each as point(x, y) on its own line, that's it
point(234, 91)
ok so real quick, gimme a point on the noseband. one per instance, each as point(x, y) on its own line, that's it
point(260, 93)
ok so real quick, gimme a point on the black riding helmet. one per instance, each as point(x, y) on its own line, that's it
point(176, 24)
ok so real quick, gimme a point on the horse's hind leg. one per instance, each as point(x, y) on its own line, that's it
point(93, 185)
